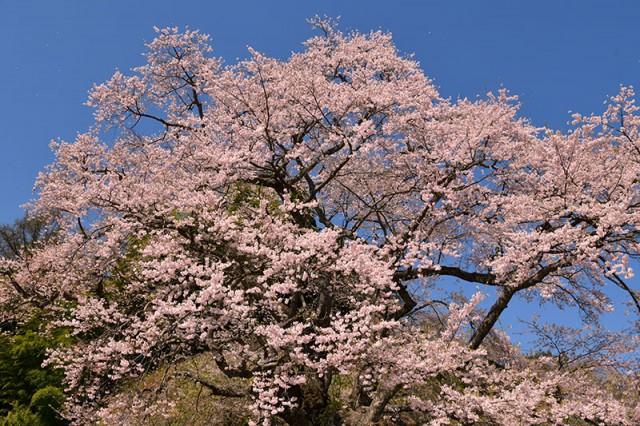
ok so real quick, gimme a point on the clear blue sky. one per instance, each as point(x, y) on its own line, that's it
point(559, 55)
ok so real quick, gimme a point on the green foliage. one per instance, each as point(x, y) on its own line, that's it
point(21, 416)
point(29, 393)
point(46, 402)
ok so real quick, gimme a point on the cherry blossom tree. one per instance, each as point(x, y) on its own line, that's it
point(295, 222)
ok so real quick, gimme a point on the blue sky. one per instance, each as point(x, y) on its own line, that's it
point(557, 55)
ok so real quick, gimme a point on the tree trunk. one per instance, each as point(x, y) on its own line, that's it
point(314, 406)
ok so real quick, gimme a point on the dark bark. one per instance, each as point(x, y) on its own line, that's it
point(505, 297)
point(314, 408)
point(492, 317)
